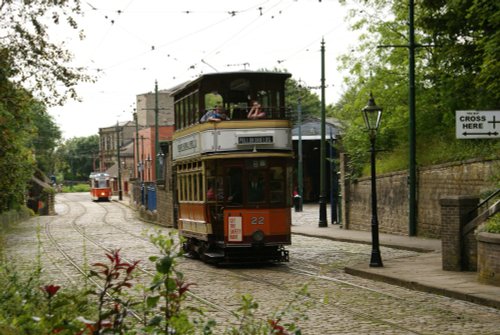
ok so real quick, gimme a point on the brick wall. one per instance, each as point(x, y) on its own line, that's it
point(461, 178)
point(454, 216)
point(489, 258)
point(165, 206)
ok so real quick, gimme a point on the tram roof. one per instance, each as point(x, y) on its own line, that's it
point(181, 87)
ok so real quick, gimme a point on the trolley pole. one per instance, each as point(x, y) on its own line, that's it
point(323, 221)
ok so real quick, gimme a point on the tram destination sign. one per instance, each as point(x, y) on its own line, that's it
point(255, 140)
point(477, 124)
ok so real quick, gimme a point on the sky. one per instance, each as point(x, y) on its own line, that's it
point(130, 44)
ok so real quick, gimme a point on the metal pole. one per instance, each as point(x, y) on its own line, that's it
point(143, 166)
point(376, 259)
point(323, 221)
point(333, 184)
point(120, 195)
point(300, 172)
point(412, 220)
point(156, 131)
point(138, 174)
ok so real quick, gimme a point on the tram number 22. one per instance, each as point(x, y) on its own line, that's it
point(257, 220)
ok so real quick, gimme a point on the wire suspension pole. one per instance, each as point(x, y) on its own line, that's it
point(323, 221)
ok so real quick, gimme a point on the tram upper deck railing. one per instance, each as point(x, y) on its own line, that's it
point(233, 92)
point(268, 113)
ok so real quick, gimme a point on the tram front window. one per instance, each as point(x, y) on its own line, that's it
point(234, 191)
point(256, 187)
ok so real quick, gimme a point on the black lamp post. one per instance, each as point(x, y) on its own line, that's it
point(372, 115)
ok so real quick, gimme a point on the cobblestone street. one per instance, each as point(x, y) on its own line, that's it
point(336, 303)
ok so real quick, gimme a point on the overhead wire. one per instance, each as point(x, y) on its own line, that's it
point(149, 47)
point(154, 47)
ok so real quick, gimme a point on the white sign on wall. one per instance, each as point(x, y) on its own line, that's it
point(477, 124)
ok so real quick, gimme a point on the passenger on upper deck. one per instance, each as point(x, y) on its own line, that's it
point(215, 115)
point(256, 112)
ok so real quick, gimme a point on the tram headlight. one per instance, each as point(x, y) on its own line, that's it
point(258, 236)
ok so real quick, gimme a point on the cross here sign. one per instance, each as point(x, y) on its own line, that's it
point(477, 124)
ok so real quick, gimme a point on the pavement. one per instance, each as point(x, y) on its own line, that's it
point(422, 272)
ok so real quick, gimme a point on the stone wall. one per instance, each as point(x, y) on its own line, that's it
point(165, 212)
point(472, 177)
point(454, 216)
point(165, 206)
point(489, 258)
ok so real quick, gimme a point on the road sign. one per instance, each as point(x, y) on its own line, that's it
point(477, 124)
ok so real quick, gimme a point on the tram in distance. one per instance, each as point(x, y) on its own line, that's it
point(232, 159)
point(100, 188)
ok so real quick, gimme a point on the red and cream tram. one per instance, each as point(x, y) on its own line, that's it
point(100, 188)
point(234, 171)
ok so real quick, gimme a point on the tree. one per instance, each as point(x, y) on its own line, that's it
point(16, 162)
point(453, 65)
point(39, 65)
point(76, 157)
point(310, 103)
point(31, 66)
point(46, 138)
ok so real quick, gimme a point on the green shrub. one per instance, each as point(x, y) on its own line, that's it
point(493, 224)
point(76, 188)
point(29, 307)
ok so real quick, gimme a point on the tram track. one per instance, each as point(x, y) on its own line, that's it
point(337, 306)
point(360, 310)
point(300, 296)
point(143, 269)
point(149, 273)
point(75, 265)
point(339, 282)
point(331, 293)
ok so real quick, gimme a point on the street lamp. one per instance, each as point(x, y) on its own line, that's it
point(161, 160)
point(372, 115)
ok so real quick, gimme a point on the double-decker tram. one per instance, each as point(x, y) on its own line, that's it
point(100, 188)
point(233, 160)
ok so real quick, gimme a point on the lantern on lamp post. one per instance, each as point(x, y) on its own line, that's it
point(372, 115)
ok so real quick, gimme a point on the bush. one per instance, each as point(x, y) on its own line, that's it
point(493, 224)
point(76, 188)
point(29, 307)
